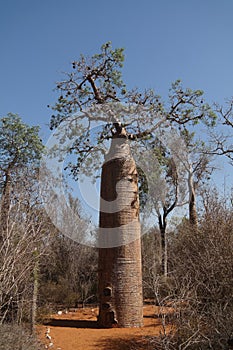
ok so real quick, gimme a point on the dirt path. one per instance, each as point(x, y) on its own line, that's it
point(78, 331)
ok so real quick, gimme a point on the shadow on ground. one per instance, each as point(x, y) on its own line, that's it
point(132, 343)
point(71, 323)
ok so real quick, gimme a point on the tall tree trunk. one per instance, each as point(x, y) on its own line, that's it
point(163, 235)
point(120, 272)
point(5, 202)
point(193, 219)
point(35, 292)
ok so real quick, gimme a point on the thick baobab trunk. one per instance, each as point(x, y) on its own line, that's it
point(120, 275)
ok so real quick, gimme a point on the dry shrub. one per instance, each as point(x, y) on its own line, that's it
point(17, 338)
point(200, 287)
point(201, 265)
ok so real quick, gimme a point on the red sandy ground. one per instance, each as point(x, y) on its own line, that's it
point(78, 331)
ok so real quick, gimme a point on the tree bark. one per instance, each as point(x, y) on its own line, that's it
point(193, 218)
point(120, 273)
point(5, 202)
point(35, 292)
point(163, 235)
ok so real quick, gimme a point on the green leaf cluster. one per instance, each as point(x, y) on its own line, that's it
point(20, 144)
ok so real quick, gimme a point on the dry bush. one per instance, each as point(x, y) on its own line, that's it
point(199, 285)
point(17, 338)
point(201, 265)
point(68, 274)
point(151, 263)
point(21, 247)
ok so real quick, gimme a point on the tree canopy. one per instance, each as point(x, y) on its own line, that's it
point(20, 144)
point(94, 91)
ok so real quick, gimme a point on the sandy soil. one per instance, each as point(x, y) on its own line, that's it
point(78, 331)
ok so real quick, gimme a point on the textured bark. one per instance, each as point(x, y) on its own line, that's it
point(5, 202)
point(35, 292)
point(193, 218)
point(163, 235)
point(193, 211)
point(120, 275)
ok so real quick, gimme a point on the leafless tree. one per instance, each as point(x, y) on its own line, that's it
point(22, 244)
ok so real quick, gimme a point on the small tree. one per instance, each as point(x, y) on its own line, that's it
point(167, 190)
point(195, 162)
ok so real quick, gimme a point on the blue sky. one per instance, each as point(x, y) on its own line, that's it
point(163, 39)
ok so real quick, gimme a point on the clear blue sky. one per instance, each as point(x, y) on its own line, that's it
point(163, 40)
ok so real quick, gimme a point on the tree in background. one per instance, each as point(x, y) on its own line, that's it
point(23, 224)
point(28, 236)
point(179, 168)
point(21, 147)
point(167, 188)
point(68, 272)
point(197, 169)
point(221, 140)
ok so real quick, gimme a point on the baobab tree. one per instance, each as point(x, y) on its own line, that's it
point(94, 92)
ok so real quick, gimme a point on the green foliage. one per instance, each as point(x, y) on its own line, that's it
point(95, 79)
point(188, 105)
point(94, 91)
point(20, 144)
